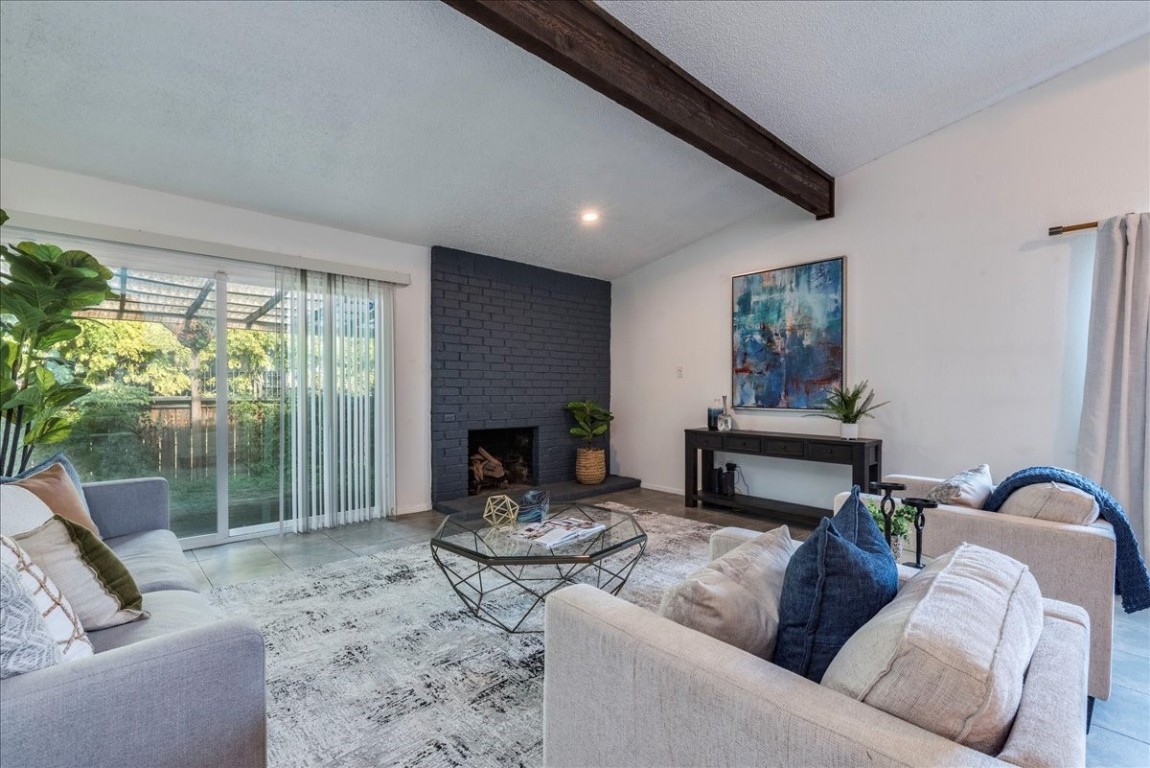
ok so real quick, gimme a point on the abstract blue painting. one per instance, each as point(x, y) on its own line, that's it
point(788, 335)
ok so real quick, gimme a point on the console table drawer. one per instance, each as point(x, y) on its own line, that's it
point(782, 447)
point(709, 442)
point(733, 443)
point(840, 454)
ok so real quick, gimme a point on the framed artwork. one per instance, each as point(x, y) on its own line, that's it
point(788, 335)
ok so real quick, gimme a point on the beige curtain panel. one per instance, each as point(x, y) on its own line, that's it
point(1114, 437)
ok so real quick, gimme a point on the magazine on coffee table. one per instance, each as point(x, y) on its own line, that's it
point(560, 530)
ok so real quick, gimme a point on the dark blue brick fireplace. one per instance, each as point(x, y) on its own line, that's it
point(511, 344)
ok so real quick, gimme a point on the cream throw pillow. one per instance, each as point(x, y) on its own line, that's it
point(950, 652)
point(966, 489)
point(736, 598)
point(88, 573)
point(60, 619)
point(1055, 502)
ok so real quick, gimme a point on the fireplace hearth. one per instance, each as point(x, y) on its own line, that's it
point(500, 459)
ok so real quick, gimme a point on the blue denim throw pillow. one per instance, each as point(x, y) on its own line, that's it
point(836, 581)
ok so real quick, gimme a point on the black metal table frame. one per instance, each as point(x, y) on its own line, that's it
point(567, 567)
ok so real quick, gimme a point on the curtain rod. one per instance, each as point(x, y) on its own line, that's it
point(1060, 230)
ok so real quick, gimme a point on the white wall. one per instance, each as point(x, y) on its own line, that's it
point(66, 195)
point(960, 309)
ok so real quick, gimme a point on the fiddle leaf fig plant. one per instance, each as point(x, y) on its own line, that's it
point(849, 404)
point(591, 419)
point(41, 286)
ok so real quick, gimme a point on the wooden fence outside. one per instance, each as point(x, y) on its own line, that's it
point(186, 450)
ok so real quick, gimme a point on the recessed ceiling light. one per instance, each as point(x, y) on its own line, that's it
point(589, 217)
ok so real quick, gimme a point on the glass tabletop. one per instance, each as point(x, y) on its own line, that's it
point(597, 533)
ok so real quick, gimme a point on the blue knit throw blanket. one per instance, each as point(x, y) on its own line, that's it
point(1130, 578)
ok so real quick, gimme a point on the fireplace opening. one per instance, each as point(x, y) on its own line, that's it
point(500, 459)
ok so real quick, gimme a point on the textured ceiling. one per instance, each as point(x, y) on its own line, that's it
point(408, 121)
point(847, 82)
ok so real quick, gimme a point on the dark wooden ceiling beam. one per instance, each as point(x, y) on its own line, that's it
point(583, 40)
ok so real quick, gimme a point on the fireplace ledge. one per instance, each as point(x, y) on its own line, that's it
point(560, 492)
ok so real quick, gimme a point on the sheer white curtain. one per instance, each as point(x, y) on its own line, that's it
point(339, 438)
point(1114, 438)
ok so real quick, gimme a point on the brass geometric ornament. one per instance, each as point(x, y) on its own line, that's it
point(500, 511)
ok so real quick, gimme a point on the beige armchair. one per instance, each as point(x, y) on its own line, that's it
point(1071, 563)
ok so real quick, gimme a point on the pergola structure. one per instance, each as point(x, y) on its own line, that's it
point(152, 297)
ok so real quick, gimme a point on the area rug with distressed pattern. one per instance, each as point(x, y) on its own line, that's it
point(374, 661)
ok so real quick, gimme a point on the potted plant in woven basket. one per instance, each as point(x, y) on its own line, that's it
point(591, 422)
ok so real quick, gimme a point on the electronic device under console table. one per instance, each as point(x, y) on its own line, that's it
point(863, 456)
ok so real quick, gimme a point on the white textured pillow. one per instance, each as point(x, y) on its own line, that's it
point(966, 489)
point(950, 652)
point(736, 598)
point(1055, 502)
point(25, 643)
point(60, 619)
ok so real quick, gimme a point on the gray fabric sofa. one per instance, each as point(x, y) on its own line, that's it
point(182, 688)
point(625, 687)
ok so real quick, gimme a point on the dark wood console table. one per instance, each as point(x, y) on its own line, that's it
point(863, 456)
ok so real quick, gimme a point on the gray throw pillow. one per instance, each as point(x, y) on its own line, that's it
point(25, 643)
point(966, 489)
point(736, 598)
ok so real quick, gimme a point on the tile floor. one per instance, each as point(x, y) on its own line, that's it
point(1119, 737)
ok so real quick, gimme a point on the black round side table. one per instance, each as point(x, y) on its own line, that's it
point(919, 521)
point(887, 505)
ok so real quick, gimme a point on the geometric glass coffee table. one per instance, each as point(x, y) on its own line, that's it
point(503, 580)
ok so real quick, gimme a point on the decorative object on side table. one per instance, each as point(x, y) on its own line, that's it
point(500, 511)
point(919, 521)
point(713, 414)
point(534, 505)
point(726, 421)
point(43, 286)
point(776, 361)
point(849, 404)
point(591, 422)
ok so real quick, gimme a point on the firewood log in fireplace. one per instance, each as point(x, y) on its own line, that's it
point(486, 469)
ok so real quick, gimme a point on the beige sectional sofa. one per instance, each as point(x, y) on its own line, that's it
point(624, 686)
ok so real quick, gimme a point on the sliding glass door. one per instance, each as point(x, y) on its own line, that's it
point(261, 394)
point(185, 375)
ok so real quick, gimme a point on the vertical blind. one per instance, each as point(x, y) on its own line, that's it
point(340, 331)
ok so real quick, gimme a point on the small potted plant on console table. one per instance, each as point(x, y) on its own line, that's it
point(591, 422)
point(849, 404)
